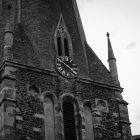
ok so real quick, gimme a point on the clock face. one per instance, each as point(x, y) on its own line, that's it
point(66, 67)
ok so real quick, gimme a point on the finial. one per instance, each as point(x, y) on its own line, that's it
point(107, 34)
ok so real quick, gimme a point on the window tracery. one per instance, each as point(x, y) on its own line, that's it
point(63, 40)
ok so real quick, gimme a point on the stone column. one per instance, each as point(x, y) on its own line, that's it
point(7, 104)
point(124, 120)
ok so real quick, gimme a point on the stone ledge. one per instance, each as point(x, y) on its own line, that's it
point(53, 73)
point(41, 116)
point(126, 122)
point(122, 101)
point(8, 100)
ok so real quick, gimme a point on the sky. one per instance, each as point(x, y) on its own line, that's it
point(121, 18)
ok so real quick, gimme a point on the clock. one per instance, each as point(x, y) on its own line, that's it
point(66, 67)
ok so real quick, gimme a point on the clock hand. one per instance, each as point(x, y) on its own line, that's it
point(67, 66)
point(70, 68)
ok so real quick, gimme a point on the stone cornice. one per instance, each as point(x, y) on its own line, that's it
point(126, 122)
point(101, 84)
point(121, 101)
point(53, 73)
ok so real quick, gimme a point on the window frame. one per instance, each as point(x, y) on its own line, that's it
point(76, 110)
point(65, 35)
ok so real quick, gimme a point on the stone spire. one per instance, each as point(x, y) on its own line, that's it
point(112, 62)
point(110, 50)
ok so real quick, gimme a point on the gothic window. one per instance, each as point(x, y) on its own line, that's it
point(62, 39)
point(88, 123)
point(59, 45)
point(49, 119)
point(69, 120)
point(66, 46)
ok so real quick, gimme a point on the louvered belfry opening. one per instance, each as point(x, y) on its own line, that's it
point(66, 46)
point(59, 45)
point(69, 121)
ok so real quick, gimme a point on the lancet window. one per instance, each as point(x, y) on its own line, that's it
point(69, 120)
point(88, 123)
point(63, 40)
point(49, 119)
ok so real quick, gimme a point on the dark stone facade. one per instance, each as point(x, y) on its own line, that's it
point(29, 76)
point(28, 121)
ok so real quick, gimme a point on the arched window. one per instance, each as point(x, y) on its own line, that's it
point(62, 39)
point(69, 120)
point(88, 123)
point(49, 119)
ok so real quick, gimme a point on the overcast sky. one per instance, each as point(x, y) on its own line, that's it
point(121, 18)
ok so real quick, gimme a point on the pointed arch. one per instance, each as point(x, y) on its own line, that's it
point(69, 120)
point(70, 108)
point(50, 95)
point(88, 121)
point(63, 41)
point(49, 117)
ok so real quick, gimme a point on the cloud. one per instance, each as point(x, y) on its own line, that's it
point(90, 0)
point(131, 45)
point(86, 0)
point(138, 115)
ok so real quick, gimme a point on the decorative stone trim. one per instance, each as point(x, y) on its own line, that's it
point(19, 118)
point(122, 121)
point(62, 32)
point(101, 105)
point(41, 116)
point(36, 129)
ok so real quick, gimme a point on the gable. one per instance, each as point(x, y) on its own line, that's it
point(97, 71)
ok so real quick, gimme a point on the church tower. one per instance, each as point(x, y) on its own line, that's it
point(52, 84)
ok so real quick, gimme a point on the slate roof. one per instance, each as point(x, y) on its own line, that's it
point(97, 70)
point(23, 50)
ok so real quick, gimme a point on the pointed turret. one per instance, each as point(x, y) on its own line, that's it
point(112, 62)
point(9, 11)
point(110, 50)
point(8, 41)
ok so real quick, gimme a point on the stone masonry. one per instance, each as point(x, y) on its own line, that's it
point(32, 91)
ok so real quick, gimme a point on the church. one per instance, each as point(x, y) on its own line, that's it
point(52, 84)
